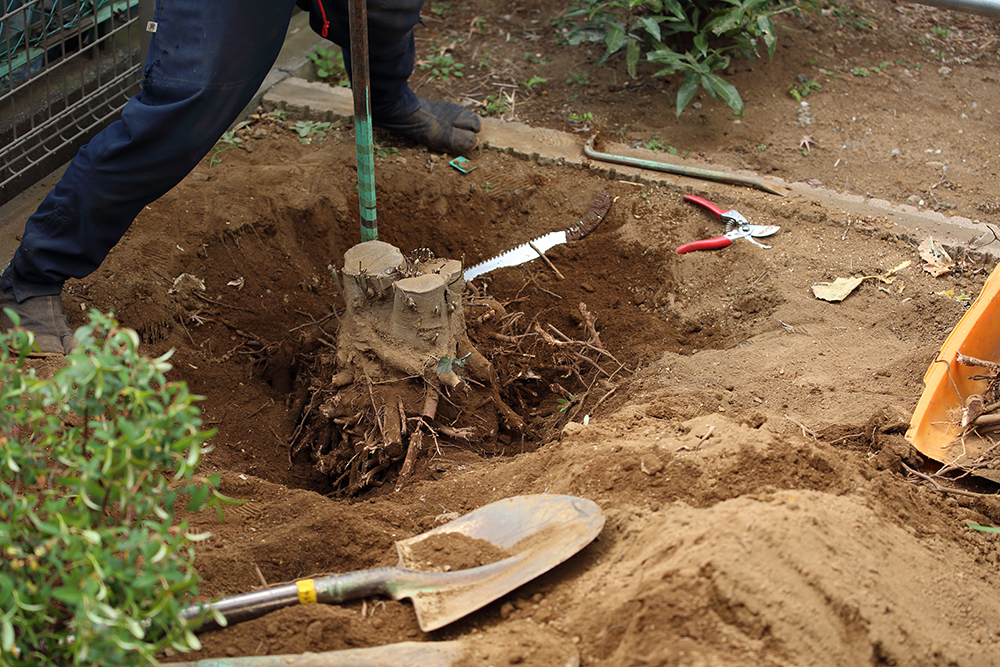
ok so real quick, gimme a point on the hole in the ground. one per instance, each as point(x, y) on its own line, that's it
point(559, 348)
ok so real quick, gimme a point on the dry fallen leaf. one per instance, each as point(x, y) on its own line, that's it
point(838, 290)
point(938, 261)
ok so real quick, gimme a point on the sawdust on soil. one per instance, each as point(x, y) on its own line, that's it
point(747, 448)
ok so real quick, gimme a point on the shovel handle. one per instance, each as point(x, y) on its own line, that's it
point(329, 589)
point(705, 244)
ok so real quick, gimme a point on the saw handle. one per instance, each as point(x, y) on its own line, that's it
point(594, 216)
point(716, 211)
point(705, 244)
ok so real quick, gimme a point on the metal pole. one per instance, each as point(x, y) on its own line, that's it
point(989, 8)
point(358, 13)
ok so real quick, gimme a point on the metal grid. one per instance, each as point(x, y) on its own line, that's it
point(66, 70)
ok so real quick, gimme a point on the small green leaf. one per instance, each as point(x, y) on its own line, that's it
point(615, 38)
point(701, 44)
point(723, 90)
point(632, 58)
point(766, 27)
point(6, 635)
point(444, 365)
point(199, 494)
point(982, 529)
point(652, 27)
point(161, 553)
point(70, 596)
point(687, 90)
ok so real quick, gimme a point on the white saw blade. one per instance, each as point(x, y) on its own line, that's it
point(519, 255)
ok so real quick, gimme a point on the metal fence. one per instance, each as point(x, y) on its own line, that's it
point(67, 67)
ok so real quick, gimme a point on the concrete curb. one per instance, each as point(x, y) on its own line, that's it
point(319, 101)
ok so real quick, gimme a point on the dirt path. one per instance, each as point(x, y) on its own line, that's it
point(747, 444)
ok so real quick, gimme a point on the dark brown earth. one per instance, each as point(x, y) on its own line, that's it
point(746, 440)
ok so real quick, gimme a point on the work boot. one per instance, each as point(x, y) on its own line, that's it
point(43, 316)
point(441, 126)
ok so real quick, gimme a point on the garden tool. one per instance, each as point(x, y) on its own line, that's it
point(935, 427)
point(737, 227)
point(363, 133)
point(534, 249)
point(682, 170)
point(538, 531)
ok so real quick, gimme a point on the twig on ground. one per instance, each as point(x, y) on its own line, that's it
point(605, 397)
point(315, 322)
point(260, 575)
point(937, 487)
point(588, 322)
point(545, 259)
point(805, 430)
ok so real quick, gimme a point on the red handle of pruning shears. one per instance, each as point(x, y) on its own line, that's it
point(705, 244)
point(707, 204)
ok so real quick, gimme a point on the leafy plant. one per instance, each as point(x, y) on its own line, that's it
point(279, 115)
point(942, 33)
point(443, 67)
point(494, 105)
point(799, 90)
point(849, 18)
point(694, 39)
point(655, 144)
point(578, 79)
point(384, 151)
point(439, 8)
point(330, 65)
point(534, 81)
point(228, 141)
point(309, 130)
point(93, 568)
point(584, 117)
point(564, 404)
point(448, 364)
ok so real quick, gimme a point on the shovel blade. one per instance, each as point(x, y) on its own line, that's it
point(934, 427)
point(538, 531)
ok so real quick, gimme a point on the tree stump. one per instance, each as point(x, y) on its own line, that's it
point(405, 377)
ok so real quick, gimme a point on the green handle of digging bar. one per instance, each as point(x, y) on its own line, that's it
point(361, 87)
point(681, 170)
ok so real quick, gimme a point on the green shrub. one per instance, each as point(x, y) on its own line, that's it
point(695, 39)
point(93, 568)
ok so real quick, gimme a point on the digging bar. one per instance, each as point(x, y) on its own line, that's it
point(538, 531)
point(363, 135)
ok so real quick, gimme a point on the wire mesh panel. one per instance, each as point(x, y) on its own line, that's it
point(67, 67)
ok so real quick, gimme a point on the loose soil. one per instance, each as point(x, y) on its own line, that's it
point(746, 439)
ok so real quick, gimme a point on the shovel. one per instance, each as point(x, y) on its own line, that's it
point(934, 428)
point(538, 531)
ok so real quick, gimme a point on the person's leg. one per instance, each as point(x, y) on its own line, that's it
point(206, 61)
point(395, 107)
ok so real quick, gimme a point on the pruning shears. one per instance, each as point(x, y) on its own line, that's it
point(737, 227)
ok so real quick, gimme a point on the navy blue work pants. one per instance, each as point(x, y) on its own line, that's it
point(206, 61)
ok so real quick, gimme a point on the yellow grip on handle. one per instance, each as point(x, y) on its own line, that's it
point(307, 591)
